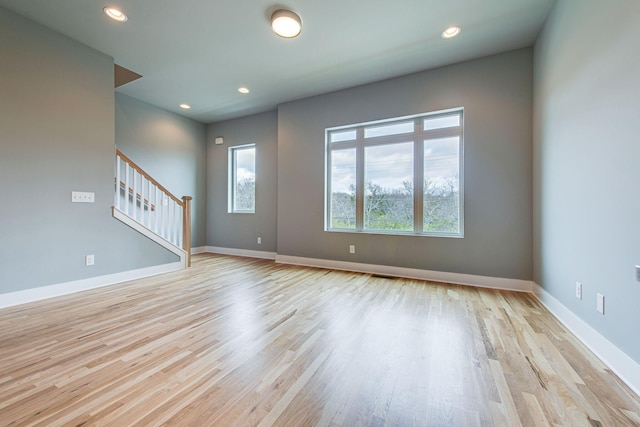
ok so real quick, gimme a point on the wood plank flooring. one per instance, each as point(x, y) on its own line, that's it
point(245, 342)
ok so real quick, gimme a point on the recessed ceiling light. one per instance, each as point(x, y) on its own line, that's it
point(243, 90)
point(450, 32)
point(185, 106)
point(116, 14)
point(286, 23)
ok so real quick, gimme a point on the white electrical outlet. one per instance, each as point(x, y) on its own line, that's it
point(89, 260)
point(352, 249)
point(259, 240)
point(579, 290)
point(600, 304)
point(83, 197)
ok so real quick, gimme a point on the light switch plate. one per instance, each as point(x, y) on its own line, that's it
point(600, 304)
point(83, 197)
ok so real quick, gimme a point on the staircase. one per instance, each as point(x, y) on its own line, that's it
point(144, 204)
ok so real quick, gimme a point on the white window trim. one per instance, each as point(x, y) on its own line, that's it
point(231, 179)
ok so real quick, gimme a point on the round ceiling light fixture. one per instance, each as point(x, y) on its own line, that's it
point(243, 90)
point(185, 106)
point(451, 32)
point(286, 23)
point(115, 14)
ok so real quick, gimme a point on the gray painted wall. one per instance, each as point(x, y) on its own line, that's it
point(235, 230)
point(496, 93)
point(586, 151)
point(171, 148)
point(57, 136)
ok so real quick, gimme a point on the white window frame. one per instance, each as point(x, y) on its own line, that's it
point(418, 137)
point(232, 179)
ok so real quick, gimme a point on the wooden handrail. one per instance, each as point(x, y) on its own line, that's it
point(149, 177)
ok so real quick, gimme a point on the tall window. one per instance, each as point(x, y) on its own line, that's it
point(242, 179)
point(400, 176)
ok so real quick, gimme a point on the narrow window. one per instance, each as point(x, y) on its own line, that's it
point(242, 179)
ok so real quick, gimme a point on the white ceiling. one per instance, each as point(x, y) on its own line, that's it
point(199, 52)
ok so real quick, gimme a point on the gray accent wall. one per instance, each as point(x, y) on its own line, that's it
point(57, 136)
point(241, 230)
point(496, 93)
point(171, 148)
point(586, 173)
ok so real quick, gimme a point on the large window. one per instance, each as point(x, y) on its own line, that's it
point(242, 179)
point(400, 176)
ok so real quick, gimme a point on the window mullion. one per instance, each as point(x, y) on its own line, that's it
point(230, 181)
point(418, 185)
point(328, 185)
point(360, 184)
point(235, 180)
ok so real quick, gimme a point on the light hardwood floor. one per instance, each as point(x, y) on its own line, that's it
point(244, 342)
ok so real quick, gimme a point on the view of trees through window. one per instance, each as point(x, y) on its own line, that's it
point(388, 192)
point(379, 182)
point(343, 196)
point(245, 194)
point(441, 186)
point(242, 178)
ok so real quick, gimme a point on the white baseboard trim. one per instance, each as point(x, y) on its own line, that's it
point(412, 273)
point(198, 250)
point(36, 294)
point(241, 252)
point(622, 365)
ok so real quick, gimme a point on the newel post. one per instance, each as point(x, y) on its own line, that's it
point(186, 227)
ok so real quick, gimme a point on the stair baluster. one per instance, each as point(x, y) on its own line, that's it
point(144, 200)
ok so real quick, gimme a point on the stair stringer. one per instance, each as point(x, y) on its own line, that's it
point(150, 234)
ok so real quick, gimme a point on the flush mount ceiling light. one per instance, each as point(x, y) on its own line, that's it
point(185, 106)
point(115, 14)
point(286, 23)
point(243, 90)
point(451, 32)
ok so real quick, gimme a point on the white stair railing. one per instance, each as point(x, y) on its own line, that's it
point(143, 199)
